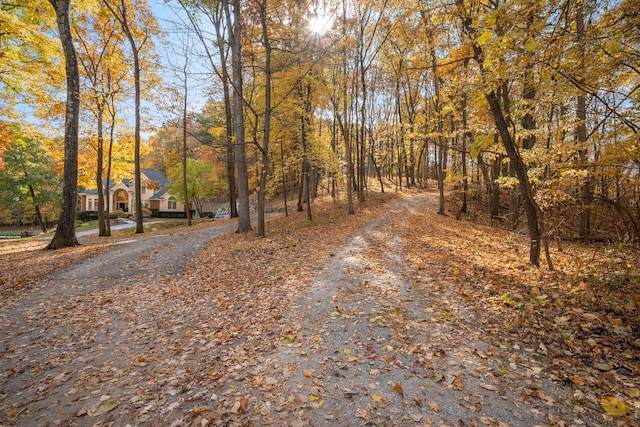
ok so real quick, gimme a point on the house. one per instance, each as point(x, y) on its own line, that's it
point(155, 196)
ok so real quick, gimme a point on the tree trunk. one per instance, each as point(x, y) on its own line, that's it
point(267, 119)
point(284, 179)
point(463, 152)
point(102, 221)
point(112, 112)
point(122, 16)
point(185, 186)
point(530, 205)
point(586, 192)
point(228, 114)
point(440, 171)
point(244, 220)
point(136, 156)
point(42, 225)
point(65, 235)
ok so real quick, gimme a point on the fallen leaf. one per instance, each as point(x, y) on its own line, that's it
point(240, 407)
point(488, 420)
point(102, 408)
point(289, 338)
point(398, 388)
point(481, 353)
point(347, 351)
point(632, 392)
point(488, 387)
point(61, 377)
point(614, 406)
point(361, 413)
point(376, 398)
point(434, 406)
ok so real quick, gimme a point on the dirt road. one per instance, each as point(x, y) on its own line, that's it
point(375, 351)
point(131, 338)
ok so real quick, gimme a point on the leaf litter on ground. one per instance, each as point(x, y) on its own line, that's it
point(197, 348)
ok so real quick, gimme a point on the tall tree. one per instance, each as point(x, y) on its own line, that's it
point(100, 57)
point(65, 235)
point(235, 36)
point(30, 53)
point(138, 25)
point(530, 205)
point(26, 177)
point(215, 14)
point(266, 132)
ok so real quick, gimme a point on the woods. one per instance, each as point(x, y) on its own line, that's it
point(528, 109)
point(459, 238)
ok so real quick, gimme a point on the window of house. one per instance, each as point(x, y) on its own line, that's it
point(172, 203)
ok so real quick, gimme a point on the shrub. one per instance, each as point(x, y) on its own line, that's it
point(146, 213)
point(87, 215)
point(117, 214)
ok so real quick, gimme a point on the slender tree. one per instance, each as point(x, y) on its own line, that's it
point(138, 36)
point(235, 36)
point(530, 205)
point(65, 235)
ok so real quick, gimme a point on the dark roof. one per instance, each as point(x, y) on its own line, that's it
point(154, 175)
point(151, 174)
point(94, 191)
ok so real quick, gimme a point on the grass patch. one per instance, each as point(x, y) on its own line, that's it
point(89, 225)
point(163, 225)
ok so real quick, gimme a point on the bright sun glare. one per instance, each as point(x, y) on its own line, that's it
point(320, 24)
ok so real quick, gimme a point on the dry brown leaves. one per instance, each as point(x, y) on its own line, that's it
point(24, 261)
point(185, 349)
point(578, 324)
point(194, 349)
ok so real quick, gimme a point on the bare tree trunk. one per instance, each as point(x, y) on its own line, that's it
point(66, 232)
point(440, 144)
point(32, 193)
point(530, 206)
point(267, 119)
point(102, 221)
point(244, 220)
point(581, 131)
point(185, 185)
point(112, 113)
point(122, 16)
point(284, 179)
point(463, 152)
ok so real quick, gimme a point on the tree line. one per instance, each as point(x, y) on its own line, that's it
point(529, 106)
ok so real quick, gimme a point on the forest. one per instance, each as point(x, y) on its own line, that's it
point(528, 110)
point(459, 239)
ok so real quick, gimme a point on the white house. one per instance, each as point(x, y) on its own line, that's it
point(155, 196)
